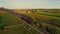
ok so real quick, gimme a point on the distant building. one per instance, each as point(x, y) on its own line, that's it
point(31, 11)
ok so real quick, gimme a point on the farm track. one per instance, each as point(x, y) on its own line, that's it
point(20, 25)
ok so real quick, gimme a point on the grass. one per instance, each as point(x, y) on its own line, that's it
point(51, 17)
point(8, 19)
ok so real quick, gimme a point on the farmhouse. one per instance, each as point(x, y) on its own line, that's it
point(31, 11)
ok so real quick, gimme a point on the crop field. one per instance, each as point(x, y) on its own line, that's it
point(47, 21)
point(35, 22)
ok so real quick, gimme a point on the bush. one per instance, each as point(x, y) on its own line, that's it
point(1, 19)
point(1, 27)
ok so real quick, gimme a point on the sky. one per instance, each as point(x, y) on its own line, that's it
point(25, 4)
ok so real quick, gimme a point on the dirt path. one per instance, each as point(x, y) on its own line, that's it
point(11, 26)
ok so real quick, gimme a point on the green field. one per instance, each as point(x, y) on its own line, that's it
point(8, 19)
